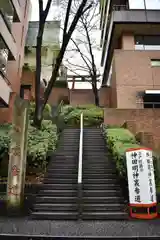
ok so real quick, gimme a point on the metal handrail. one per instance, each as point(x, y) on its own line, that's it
point(80, 163)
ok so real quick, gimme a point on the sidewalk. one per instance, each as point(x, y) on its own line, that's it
point(107, 229)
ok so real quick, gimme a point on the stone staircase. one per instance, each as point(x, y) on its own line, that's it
point(57, 198)
point(102, 197)
point(101, 194)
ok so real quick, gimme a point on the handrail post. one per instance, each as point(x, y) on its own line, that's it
point(80, 159)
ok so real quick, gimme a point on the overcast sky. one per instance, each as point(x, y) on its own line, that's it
point(76, 59)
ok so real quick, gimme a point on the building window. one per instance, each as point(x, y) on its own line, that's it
point(25, 91)
point(147, 42)
point(155, 62)
point(151, 100)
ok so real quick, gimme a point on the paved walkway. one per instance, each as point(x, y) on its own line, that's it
point(73, 229)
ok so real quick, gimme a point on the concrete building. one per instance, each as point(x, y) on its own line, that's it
point(130, 43)
point(131, 52)
point(14, 17)
point(49, 51)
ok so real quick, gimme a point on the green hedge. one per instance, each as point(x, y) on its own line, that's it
point(47, 113)
point(41, 143)
point(118, 141)
point(93, 116)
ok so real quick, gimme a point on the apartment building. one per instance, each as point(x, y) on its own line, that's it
point(130, 43)
point(14, 17)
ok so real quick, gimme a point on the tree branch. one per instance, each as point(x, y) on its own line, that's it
point(78, 67)
point(47, 8)
point(40, 8)
point(77, 16)
point(81, 54)
point(62, 51)
point(67, 17)
point(90, 49)
point(87, 8)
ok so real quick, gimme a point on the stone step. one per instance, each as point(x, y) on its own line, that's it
point(60, 180)
point(98, 181)
point(101, 193)
point(59, 193)
point(103, 199)
point(101, 215)
point(87, 170)
point(95, 176)
point(59, 175)
point(55, 207)
point(58, 165)
point(43, 215)
point(57, 199)
point(62, 170)
point(94, 207)
point(110, 186)
point(59, 186)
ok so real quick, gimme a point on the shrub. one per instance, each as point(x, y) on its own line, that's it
point(4, 139)
point(93, 115)
point(41, 142)
point(118, 141)
point(47, 113)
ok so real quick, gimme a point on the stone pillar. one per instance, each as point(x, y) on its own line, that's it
point(17, 156)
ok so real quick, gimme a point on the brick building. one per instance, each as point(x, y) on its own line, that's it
point(14, 17)
point(130, 43)
point(131, 52)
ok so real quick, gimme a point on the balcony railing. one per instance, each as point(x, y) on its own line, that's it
point(120, 7)
point(7, 19)
point(7, 12)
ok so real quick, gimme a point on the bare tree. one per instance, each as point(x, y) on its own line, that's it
point(67, 33)
point(86, 27)
point(42, 19)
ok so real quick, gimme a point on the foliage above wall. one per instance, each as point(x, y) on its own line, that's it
point(27, 67)
point(61, 84)
point(93, 116)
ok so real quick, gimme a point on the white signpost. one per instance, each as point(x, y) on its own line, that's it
point(141, 181)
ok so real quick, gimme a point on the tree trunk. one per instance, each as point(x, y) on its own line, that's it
point(38, 114)
point(95, 90)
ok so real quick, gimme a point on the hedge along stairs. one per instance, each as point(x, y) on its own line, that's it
point(57, 197)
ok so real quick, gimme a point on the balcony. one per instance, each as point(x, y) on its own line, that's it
point(5, 91)
point(17, 10)
point(4, 82)
point(7, 38)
